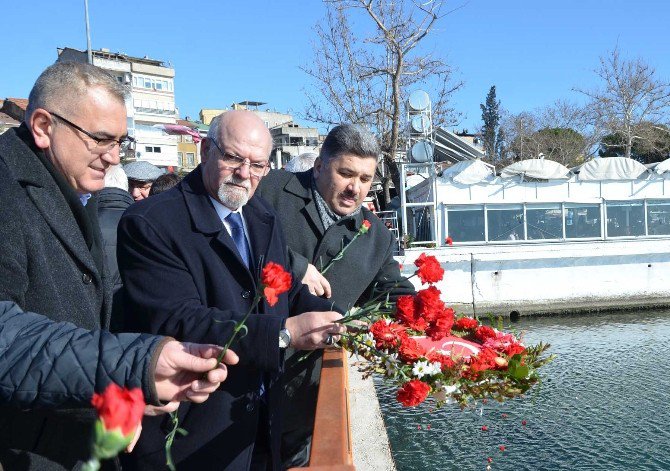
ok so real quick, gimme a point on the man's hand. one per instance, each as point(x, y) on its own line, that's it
point(310, 330)
point(316, 282)
point(181, 367)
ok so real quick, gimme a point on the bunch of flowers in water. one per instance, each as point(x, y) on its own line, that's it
point(423, 346)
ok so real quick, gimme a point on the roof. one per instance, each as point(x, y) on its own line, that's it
point(542, 169)
point(107, 54)
point(20, 102)
point(451, 148)
point(6, 119)
point(611, 168)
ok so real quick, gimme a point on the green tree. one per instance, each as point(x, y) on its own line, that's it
point(654, 147)
point(491, 129)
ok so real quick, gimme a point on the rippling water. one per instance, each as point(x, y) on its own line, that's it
point(604, 404)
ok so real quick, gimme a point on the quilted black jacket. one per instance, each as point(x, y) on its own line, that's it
point(47, 364)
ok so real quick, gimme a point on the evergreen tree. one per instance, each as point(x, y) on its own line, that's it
point(491, 119)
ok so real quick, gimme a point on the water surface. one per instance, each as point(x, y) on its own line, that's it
point(604, 404)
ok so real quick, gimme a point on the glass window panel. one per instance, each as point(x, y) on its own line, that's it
point(625, 218)
point(658, 217)
point(191, 159)
point(147, 83)
point(466, 223)
point(582, 220)
point(505, 222)
point(544, 221)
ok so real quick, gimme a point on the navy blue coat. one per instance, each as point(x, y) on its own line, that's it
point(184, 278)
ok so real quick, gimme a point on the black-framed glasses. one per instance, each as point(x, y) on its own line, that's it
point(102, 143)
point(256, 169)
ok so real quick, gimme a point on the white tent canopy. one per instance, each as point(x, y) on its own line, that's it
point(468, 172)
point(536, 168)
point(611, 168)
point(662, 167)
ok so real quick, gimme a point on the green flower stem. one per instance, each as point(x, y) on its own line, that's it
point(239, 326)
point(174, 418)
point(374, 350)
point(362, 230)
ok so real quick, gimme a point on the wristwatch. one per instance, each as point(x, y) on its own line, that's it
point(284, 338)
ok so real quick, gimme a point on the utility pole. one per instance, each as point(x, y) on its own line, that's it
point(88, 35)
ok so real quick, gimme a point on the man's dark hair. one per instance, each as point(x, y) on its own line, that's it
point(349, 139)
point(163, 183)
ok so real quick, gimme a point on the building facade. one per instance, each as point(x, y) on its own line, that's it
point(151, 103)
point(289, 138)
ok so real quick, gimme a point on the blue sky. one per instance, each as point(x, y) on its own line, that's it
point(225, 51)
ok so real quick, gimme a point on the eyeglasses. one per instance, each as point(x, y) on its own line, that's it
point(102, 143)
point(256, 169)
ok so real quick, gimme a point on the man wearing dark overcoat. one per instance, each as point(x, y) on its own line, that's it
point(190, 260)
point(322, 211)
point(51, 263)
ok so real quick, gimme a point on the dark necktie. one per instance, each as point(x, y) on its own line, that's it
point(237, 233)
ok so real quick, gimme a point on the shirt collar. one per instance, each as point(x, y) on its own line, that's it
point(222, 210)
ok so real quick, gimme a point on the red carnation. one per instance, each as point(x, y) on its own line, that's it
point(405, 313)
point(120, 408)
point(514, 349)
point(275, 281)
point(449, 241)
point(441, 327)
point(410, 350)
point(484, 360)
point(428, 304)
point(386, 335)
point(446, 361)
point(466, 323)
point(365, 226)
point(429, 269)
point(413, 393)
point(484, 332)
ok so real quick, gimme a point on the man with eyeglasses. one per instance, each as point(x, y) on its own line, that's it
point(190, 260)
point(55, 296)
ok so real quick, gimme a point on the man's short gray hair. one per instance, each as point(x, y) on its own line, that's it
point(349, 139)
point(64, 82)
point(116, 177)
point(304, 161)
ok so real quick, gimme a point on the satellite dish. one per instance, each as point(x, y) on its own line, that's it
point(420, 123)
point(422, 151)
point(419, 100)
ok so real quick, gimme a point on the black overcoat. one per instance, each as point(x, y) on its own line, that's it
point(368, 263)
point(183, 277)
point(47, 267)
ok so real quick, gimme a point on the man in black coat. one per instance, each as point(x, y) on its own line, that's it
point(51, 263)
point(323, 209)
point(190, 259)
point(113, 200)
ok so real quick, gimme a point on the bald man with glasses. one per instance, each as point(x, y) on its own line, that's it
point(190, 260)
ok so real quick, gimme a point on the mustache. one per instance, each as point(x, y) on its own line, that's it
point(349, 195)
point(232, 179)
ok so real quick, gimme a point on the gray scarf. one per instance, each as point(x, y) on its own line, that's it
point(328, 217)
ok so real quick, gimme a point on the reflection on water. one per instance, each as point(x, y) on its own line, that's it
point(604, 404)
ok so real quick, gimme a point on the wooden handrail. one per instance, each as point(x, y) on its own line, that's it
point(331, 442)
